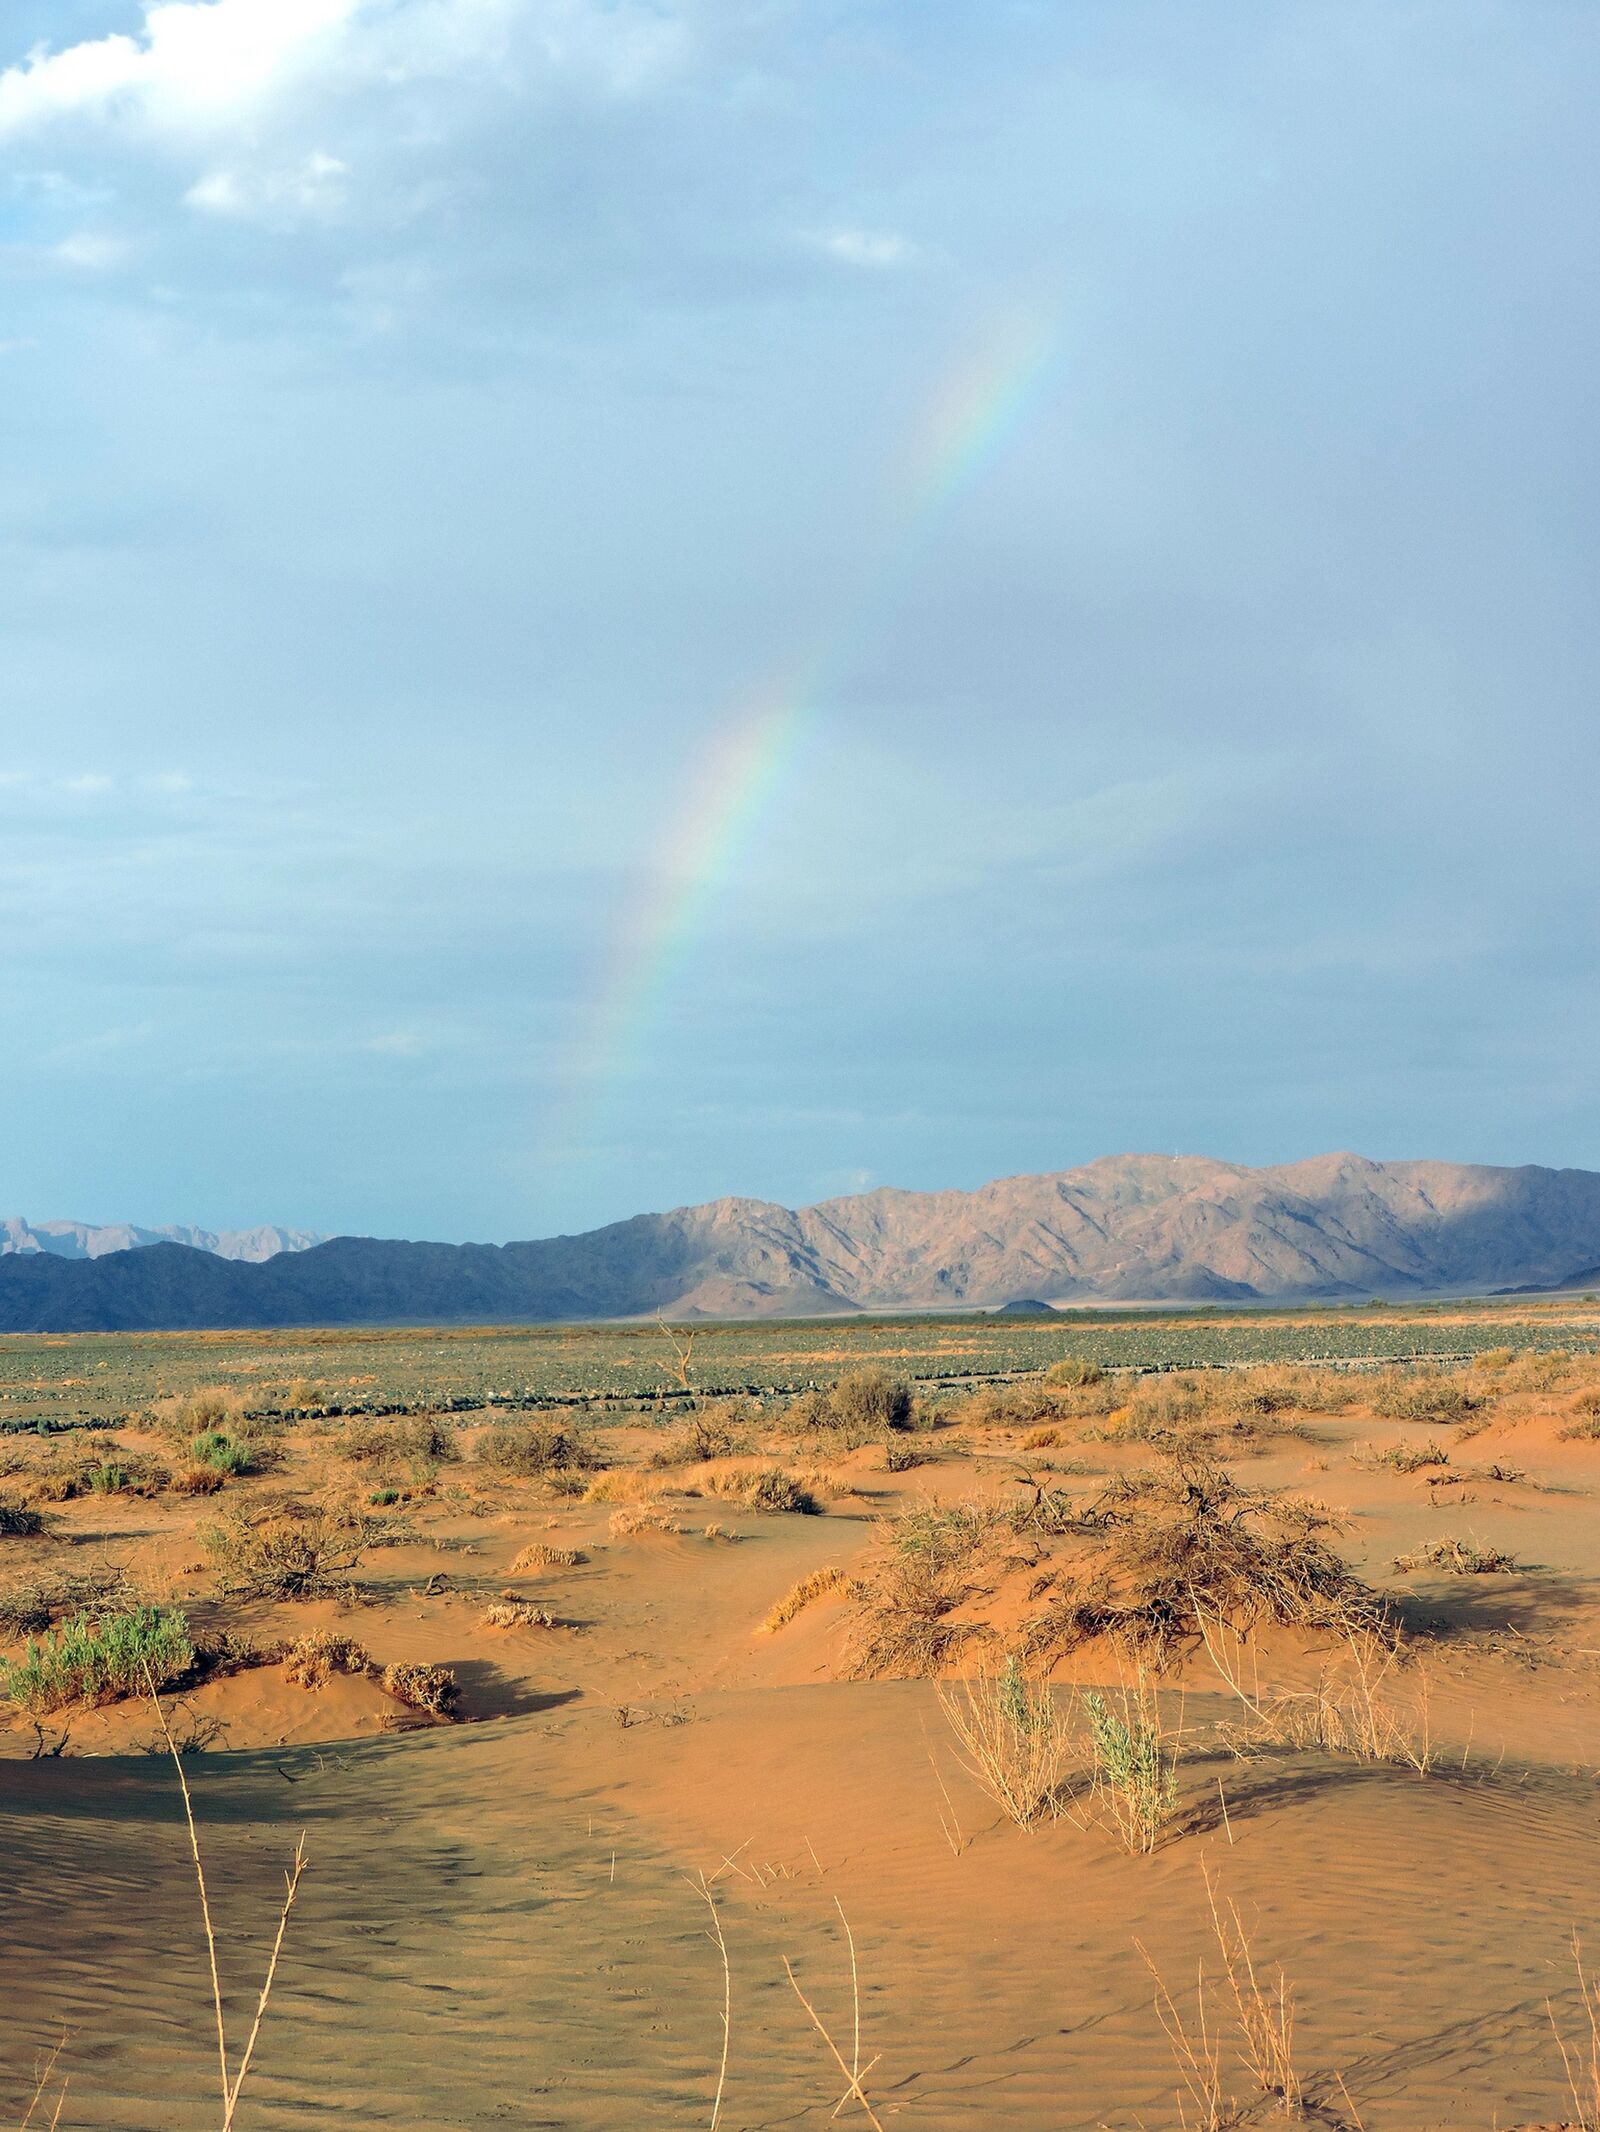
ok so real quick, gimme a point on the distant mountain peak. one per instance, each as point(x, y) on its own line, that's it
point(84, 1239)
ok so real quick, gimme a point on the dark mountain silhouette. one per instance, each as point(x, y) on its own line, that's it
point(1128, 1228)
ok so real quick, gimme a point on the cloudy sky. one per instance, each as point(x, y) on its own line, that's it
point(605, 603)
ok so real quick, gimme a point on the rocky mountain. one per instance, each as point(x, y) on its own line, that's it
point(85, 1239)
point(1130, 1228)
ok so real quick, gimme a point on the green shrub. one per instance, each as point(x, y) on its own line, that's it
point(222, 1452)
point(92, 1659)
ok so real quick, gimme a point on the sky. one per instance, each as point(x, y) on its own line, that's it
point(606, 603)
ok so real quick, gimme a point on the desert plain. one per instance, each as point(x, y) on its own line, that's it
point(1165, 1723)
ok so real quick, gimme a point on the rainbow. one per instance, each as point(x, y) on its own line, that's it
point(979, 409)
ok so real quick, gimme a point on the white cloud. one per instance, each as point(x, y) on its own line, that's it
point(90, 782)
point(91, 250)
point(865, 248)
point(314, 188)
point(199, 68)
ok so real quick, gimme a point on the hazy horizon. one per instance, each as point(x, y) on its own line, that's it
point(609, 605)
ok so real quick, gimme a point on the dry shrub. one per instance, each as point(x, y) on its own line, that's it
point(198, 1479)
point(19, 1522)
point(39, 1602)
point(291, 1552)
point(1459, 1558)
point(1014, 1738)
point(1073, 1372)
point(211, 1406)
point(512, 1612)
point(532, 1449)
point(1041, 1440)
point(1428, 1395)
point(543, 1556)
point(623, 1484)
point(769, 1490)
point(431, 1688)
point(1494, 1358)
point(921, 1572)
point(800, 1596)
point(417, 1439)
point(1185, 1536)
point(862, 1407)
point(313, 1660)
point(714, 1431)
point(1009, 1406)
point(902, 1454)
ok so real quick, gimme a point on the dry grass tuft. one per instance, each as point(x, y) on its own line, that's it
point(512, 1612)
point(1357, 1708)
point(1015, 1739)
point(624, 1524)
point(1459, 1558)
point(623, 1484)
point(542, 1556)
point(800, 1596)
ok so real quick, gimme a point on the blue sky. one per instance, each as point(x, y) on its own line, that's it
point(426, 422)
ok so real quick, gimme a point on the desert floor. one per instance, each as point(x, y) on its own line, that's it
point(511, 1918)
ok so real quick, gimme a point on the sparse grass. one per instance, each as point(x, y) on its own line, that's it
point(1580, 2060)
point(93, 1659)
point(1357, 1707)
point(1404, 1457)
point(626, 1523)
point(1458, 1558)
point(801, 1595)
point(1015, 1739)
point(1428, 1395)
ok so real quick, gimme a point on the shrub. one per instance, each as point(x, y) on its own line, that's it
point(1408, 1458)
point(623, 1524)
point(313, 1660)
point(198, 1480)
point(286, 1553)
point(216, 1448)
point(775, 1492)
point(921, 1572)
point(1074, 1371)
point(38, 1603)
point(213, 1406)
point(1427, 1395)
point(900, 1455)
point(100, 1659)
point(1185, 1539)
point(19, 1522)
point(623, 1484)
point(530, 1449)
point(708, 1432)
point(1135, 1771)
point(430, 1688)
point(862, 1407)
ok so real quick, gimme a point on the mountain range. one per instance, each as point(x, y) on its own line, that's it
point(1129, 1228)
point(87, 1239)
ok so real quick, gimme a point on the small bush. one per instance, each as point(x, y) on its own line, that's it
point(99, 1659)
point(19, 1522)
point(901, 1455)
point(430, 1688)
point(775, 1493)
point(313, 1660)
point(623, 1484)
point(1408, 1458)
point(285, 1553)
point(188, 1414)
point(1428, 1395)
point(862, 1407)
point(531, 1449)
point(1135, 1771)
point(40, 1602)
point(215, 1447)
point(1014, 1739)
point(1074, 1371)
point(198, 1480)
point(623, 1524)
point(708, 1432)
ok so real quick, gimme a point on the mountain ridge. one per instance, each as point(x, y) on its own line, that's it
point(1123, 1229)
point(20, 1237)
